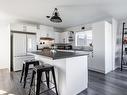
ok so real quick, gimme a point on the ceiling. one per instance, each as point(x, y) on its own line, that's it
point(72, 12)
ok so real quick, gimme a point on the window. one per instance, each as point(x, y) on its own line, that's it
point(83, 38)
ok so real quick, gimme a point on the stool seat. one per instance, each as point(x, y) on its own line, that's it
point(43, 67)
point(33, 61)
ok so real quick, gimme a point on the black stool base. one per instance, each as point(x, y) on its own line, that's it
point(37, 71)
point(25, 69)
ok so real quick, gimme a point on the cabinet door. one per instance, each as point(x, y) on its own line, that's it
point(31, 42)
point(64, 37)
point(45, 31)
point(32, 29)
point(40, 33)
point(51, 34)
point(19, 44)
point(16, 27)
point(57, 37)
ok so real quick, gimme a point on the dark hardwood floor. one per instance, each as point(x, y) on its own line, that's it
point(114, 83)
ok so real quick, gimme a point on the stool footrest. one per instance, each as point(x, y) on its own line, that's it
point(47, 90)
point(45, 81)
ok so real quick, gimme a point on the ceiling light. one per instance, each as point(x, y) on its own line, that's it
point(55, 16)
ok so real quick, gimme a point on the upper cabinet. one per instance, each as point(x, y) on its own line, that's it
point(23, 28)
point(57, 37)
point(67, 37)
point(64, 37)
point(31, 28)
point(41, 31)
point(16, 27)
point(47, 31)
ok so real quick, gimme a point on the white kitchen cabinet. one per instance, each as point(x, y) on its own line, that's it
point(46, 31)
point(67, 37)
point(31, 28)
point(19, 44)
point(16, 27)
point(57, 37)
point(64, 37)
point(23, 28)
point(102, 47)
point(51, 34)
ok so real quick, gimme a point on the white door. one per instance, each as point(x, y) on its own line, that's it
point(19, 44)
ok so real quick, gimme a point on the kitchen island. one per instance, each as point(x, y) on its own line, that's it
point(70, 68)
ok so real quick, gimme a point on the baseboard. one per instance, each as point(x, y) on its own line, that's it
point(93, 69)
point(116, 67)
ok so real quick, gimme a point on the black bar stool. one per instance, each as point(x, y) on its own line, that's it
point(25, 69)
point(37, 71)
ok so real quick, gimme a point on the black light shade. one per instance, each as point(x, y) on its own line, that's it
point(55, 17)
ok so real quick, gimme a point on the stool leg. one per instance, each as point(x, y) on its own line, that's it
point(33, 73)
point(47, 78)
point(22, 73)
point(53, 74)
point(38, 82)
point(26, 73)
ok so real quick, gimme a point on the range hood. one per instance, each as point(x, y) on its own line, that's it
point(46, 38)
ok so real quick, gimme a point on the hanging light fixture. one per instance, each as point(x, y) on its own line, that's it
point(55, 16)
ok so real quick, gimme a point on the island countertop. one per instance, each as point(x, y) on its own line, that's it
point(60, 54)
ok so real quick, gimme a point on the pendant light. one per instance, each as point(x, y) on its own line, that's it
point(55, 16)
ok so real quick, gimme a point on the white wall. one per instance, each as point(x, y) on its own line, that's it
point(119, 41)
point(115, 47)
point(5, 45)
point(79, 28)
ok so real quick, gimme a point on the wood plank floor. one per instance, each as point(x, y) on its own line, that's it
point(114, 83)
